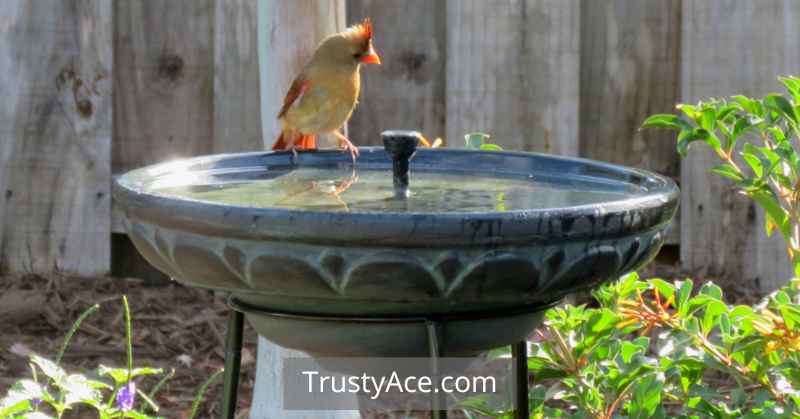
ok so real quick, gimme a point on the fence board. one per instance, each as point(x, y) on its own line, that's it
point(732, 47)
point(163, 105)
point(408, 90)
point(164, 83)
point(629, 70)
point(237, 107)
point(55, 136)
point(512, 71)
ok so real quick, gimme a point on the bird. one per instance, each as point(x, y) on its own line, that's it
point(325, 93)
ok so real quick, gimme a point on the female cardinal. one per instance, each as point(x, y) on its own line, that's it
point(324, 94)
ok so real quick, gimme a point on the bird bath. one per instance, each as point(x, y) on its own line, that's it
point(336, 261)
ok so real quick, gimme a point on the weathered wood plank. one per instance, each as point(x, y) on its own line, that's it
point(513, 72)
point(237, 107)
point(288, 32)
point(731, 47)
point(55, 135)
point(164, 82)
point(408, 90)
point(630, 53)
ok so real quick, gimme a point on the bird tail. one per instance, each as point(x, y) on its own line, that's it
point(304, 142)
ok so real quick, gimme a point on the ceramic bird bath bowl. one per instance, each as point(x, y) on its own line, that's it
point(484, 240)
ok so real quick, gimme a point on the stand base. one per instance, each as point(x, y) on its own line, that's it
point(233, 358)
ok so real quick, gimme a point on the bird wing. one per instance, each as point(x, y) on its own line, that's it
point(299, 86)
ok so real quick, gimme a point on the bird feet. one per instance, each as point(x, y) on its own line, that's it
point(346, 145)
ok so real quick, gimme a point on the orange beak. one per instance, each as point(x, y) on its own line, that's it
point(370, 57)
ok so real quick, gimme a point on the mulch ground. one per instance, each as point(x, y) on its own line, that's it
point(174, 327)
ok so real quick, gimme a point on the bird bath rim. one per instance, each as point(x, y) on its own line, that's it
point(394, 228)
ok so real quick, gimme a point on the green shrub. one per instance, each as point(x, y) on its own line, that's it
point(655, 349)
point(111, 392)
point(756, 141)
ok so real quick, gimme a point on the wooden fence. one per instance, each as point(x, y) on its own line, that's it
point(93, 88)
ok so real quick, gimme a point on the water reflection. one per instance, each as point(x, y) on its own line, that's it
point(336, 189)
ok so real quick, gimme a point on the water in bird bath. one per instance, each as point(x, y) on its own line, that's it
point(370, 190)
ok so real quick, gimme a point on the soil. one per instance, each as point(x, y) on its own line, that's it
point(173, 327)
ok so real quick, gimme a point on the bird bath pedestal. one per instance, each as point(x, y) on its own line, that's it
point(336, 261)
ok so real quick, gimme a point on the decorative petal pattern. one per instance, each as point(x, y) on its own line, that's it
point(433, 278)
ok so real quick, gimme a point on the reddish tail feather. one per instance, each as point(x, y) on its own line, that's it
point(305, 142)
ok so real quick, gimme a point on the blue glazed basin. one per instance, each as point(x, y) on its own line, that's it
point(396, 264)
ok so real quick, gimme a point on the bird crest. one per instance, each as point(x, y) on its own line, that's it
point(361, 30)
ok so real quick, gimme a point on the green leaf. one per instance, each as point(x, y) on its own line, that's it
point(19, 398)
point(786, 152)
point(791, 315)
point(711, 139)
point(712, 312)
point(712, 290)
point(77, 389)
point(685, 138)
point(647, 396)
point(49, 368)
point(202, 391)
point(73, 329)
point(728, 171)
point(708, 119)
point(601, 320)
point(725, 325)
point(777, 134)
point(683, 296)
point(769, 159)
point(665, 289)
point(792, 84)
point(665, 120)
point(120, 375)
point(490, 147)
point(774, 209)
point(750, 106)
point(37, 415)
point(726, 111)
point(784, 181)
point(796, 266)
point(769, 224)
point(776, 102)
point(132, 414)
point(741, 311)
point(741, 126)
point(753, 185)
point(628, 350)
point(781, 297)
point(475, 140)
point(690, 111)
point(128, 334)
point(755, 163)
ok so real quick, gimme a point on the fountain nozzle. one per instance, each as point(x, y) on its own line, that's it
point(401, 146)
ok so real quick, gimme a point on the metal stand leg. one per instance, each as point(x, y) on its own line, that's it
point(438, 399)
point(233, 363)
point(519, 351)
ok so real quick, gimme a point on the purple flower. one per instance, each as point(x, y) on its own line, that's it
point(125, 397)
